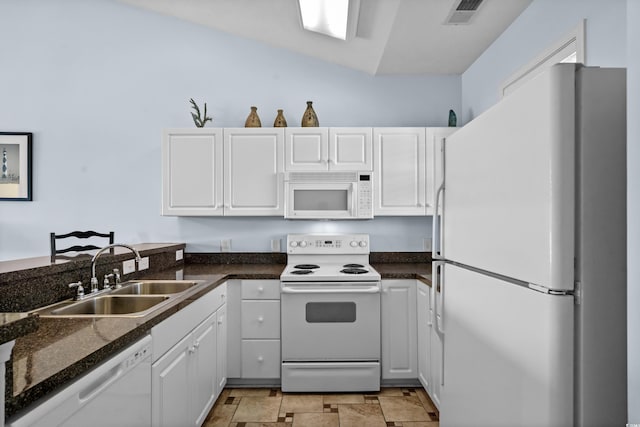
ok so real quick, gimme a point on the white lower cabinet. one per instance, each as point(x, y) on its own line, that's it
point(399, 335)
point(221, 348)
point(187, 378)
point(254, 330)
point(429, 344)
point(424, 335)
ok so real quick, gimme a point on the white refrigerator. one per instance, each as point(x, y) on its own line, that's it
point(530, 256)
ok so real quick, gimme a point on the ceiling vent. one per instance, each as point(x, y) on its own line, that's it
point(462, 12)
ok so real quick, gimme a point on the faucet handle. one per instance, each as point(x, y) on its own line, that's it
point(105, 283)
point(80, 292)
point(116, 276)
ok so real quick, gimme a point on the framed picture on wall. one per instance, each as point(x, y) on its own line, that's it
point(15, 166)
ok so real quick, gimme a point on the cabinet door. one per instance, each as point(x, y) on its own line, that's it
point(350, 149)
point(170, 387)
point(254, 171)
point(435, 138)
point(400, 172)
point(306, 149)
point(221, 349)
point(399, 336)
point(203, 357)
point(192, 172)
point(424, 335)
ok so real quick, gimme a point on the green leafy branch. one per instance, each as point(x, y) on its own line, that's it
point(197, 118)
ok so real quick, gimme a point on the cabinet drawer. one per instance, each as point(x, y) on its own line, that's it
point(260, 289)
point(260, 319)
point(260, 358)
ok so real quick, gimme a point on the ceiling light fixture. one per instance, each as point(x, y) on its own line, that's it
point(329, 17)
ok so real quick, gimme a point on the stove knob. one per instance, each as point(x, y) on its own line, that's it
point(293, 244)
point(354, 244)
point(303, 244)
point(363, 244)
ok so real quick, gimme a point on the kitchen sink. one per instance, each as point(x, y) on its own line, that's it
point(110, 305)
point(154, 287)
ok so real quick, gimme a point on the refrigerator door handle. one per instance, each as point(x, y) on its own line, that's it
point(438, 289)
point(436, 224)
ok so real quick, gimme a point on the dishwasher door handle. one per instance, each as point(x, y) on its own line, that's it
point(101, 383)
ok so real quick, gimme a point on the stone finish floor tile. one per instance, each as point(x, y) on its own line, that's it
point(343, 398)
point(362, 415)
point(259, 407)
point(300, 403)
point(220, 415)
point(316, 420)
point(403, 408)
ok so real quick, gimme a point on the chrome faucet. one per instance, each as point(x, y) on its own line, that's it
point(94, 279)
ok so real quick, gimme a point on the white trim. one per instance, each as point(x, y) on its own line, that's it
point(559, 51)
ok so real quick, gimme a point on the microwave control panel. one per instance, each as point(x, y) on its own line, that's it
point(365, 200)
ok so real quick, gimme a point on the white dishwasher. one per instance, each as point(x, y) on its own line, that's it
point(116, 393)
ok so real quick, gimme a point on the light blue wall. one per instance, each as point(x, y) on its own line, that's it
point(96, 81)
point(541, 25)
point(633, 208)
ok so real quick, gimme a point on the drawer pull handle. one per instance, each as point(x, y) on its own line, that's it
point(260, 319)
point(260, 359)
point(261, 289)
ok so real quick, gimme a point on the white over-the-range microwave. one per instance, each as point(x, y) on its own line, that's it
point(328, 195)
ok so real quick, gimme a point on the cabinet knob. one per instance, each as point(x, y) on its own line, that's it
point(260, 319)
point(261, 289)
point(260, 359)
point(192, 349)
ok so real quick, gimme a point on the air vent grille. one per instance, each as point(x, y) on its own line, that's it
point(463, 12)
point(469, 5)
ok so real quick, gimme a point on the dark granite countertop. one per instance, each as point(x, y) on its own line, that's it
point(14, 325)
point(60, 350)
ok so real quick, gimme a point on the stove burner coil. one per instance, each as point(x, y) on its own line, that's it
point(301, 272)
point(354, 271)
point(353, 266)
point(306, 266)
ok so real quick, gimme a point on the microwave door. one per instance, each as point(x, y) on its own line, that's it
point(321, 200)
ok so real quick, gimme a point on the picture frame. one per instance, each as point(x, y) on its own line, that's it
point(16, 181)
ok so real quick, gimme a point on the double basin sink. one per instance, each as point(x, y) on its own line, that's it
point(134, 299)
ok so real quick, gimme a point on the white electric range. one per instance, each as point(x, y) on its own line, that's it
point(330, 314)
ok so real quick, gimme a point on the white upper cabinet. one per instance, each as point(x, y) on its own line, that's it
point(350, 149)
point(192, 172)
point(253, 171)
point(321, 149)
point(306, 149)
point(400, 184)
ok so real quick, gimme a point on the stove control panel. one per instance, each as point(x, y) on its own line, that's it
point(328, 243)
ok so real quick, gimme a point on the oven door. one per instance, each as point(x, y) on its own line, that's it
point(330, 321)
point(320, 200)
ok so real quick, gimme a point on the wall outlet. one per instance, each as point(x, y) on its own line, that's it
point(128, 266)
point(225, 245)
point(179, 254)
point(143, 264)
point(275, 245)
point(426, 244)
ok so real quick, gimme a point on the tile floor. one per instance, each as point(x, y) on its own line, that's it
point(263, 407)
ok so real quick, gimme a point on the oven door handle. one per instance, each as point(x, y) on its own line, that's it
point(332, 290)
